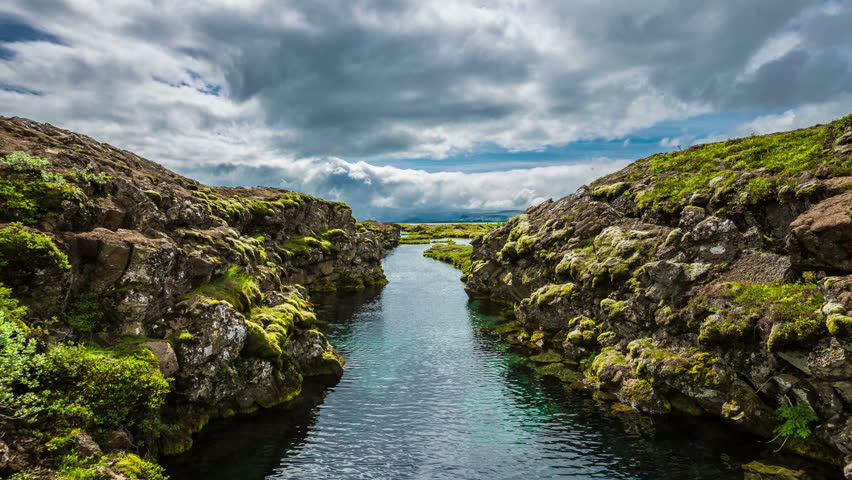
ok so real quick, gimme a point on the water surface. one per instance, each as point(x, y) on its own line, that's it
point(427, 394)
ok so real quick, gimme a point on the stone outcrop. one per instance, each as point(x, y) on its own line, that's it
point(213, 282)
point(715, 280)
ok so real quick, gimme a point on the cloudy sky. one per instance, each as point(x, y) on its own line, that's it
point(416, 105)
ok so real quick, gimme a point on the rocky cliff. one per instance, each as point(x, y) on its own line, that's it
point(714, 280)
point(139, 304)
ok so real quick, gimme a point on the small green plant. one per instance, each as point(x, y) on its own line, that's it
point(587, 362)
point(795, 422)
point(19, 361)
point(84, 313)
point(23, 162)
point(88, 177)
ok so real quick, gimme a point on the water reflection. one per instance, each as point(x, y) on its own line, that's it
point(427, 394)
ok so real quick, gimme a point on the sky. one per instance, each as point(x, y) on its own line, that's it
point(408, 107)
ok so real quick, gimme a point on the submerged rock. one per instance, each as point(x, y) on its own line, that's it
point(761, 471)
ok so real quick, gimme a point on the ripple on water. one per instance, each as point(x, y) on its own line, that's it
point(425, 395)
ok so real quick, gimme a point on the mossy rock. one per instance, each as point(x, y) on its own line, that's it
point(550, 356)
point(839, 325)
point(508, 327)
point(761, 471)
point(561, 371)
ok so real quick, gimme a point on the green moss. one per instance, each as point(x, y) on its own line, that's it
point(721, 329)
point(269, 328)
point(612, 190)
point(334, 235)
point(249, 248)
point(303, 245)
point(606, 357)
point(106, 389)
point(235, 287)
point(788, 312)
point(684, 404)
point(638, 392)
point(653, 361)
point(25, 250)
point(614, 309)
point(236, 208)
point(183, 335)
point(135, 467)
point(452, 253)
point(715, 170)
point(550, 293)
point(154, 196)
point(549, 356)
point(839, 325)
point(263, 343)
point(520, 226)
point(508, 252)
point(559, 370)
point(508, 327)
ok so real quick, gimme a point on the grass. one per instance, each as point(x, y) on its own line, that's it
point(453, 253)
point(742, 170)
point(454, 230)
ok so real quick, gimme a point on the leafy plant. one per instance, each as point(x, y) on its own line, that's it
point(23, 162)
point(19, 361)
point(587, 362)
point(795, 422)
point(88, 177)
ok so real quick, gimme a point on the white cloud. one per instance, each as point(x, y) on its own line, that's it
point(799, 117)
point(373, 190)
point(197, 85)
point(774, 49)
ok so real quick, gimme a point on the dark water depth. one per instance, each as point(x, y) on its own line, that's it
point(427, 395)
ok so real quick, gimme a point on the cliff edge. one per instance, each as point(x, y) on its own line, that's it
point(713, 280)
point(137, 304)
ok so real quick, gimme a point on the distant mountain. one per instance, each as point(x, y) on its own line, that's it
point(459, 216)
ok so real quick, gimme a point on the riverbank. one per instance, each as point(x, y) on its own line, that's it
point(709, 281)
point(429, 392)
point(137, 305)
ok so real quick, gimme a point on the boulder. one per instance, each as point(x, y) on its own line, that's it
point(85, 446)
point(761, 471)
point(820, 237)
point(166, 355)
point(118, 440)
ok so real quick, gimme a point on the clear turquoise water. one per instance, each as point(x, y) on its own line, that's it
point(426, 394)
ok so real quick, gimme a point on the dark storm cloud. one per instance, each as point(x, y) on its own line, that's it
point(252, 82)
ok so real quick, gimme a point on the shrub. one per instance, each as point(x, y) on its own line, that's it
point(109, 390)
point(20, 361)
point(26, 250)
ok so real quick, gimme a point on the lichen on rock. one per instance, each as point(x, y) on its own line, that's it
point(700, 280)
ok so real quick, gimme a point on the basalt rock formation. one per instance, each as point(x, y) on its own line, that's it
point(714, 280)
point(139, 304)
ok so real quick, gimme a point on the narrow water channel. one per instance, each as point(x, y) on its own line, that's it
point(428, 394)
